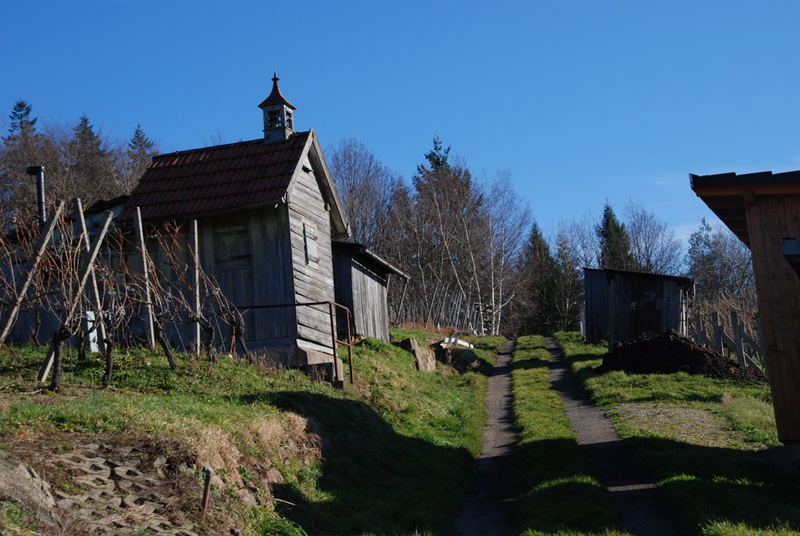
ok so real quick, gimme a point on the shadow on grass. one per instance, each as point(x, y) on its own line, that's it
point(465, 360)
point(379, 481)
point(708, 484)
point(529, 364)
point(699, 485)
point(556, 491)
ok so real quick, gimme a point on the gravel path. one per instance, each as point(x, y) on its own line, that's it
point(633, 491)
point(486, 510)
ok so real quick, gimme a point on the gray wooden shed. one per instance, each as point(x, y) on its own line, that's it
point(621, 305)
point(362, 284)
point(267, 211)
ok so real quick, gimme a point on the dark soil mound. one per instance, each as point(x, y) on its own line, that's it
point(669, 353)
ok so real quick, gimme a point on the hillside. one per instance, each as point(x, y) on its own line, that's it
point(290, 456)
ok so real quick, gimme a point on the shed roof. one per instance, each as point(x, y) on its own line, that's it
point(681, 280)
point(372, 258)
point(727, 194)
point(217, 179)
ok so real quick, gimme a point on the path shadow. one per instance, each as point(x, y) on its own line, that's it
point(709, 484)
point(398, 484)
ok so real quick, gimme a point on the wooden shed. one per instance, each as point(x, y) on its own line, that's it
point(621, 305)
point(267, 212)
point(763, 210)
point(362, 284)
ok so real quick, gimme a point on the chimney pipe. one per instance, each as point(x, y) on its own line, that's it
point(39, 172)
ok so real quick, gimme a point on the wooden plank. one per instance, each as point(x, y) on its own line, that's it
point(151, 334)
point(195, 240)
point(98, 304)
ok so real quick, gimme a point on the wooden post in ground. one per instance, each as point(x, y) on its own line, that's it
point(98, 304)
point(717, 332)
point(196, 284)
point(151, 334)
point(86, 268)
point(738, 338)
point(44, 239)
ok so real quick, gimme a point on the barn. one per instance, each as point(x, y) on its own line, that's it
point(621, 304)
point(763, 210)
point(267, 213)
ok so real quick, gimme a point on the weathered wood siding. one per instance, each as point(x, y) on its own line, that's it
point(249, 255)
point(365, 292)
point(769, 220)
point(622, 306)
point(596, 306)
point(309, 224)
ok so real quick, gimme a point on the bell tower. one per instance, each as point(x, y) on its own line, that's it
point(278, 114)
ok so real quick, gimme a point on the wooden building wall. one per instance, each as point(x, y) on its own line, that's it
point(365, 292)
point(626, 305)
point(769, 220)
point(249, 255)
point(595, 306)
point(312, 258)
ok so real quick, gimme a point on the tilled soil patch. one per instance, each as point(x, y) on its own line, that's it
point(670, 353)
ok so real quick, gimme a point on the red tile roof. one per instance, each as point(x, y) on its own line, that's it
point(216, 179)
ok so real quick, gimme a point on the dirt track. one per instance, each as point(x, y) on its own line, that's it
point(487, 509)
point(636, 499)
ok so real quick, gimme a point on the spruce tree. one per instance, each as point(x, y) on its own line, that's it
point(567, 286)
point(615, 244)
point(537, 271)
point(140, 147)
point(22, 124)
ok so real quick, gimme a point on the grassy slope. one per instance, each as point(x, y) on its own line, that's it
point(394, 454)
point(559, 493)
point(726, 489)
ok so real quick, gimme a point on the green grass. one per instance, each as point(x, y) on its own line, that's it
point(393, 455)
point(559, 493)
point(705, 440)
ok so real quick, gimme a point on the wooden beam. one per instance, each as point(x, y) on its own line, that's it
point(98, 304)
point(151, 333)
point(196, 283)
point(86, 268)
point(44, 239)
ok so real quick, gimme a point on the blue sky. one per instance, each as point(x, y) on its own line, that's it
point(581, 102)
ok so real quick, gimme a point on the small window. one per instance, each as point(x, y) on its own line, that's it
point(310, 237)
point(289, 121)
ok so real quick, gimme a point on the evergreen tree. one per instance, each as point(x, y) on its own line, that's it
point(140, 148)
point(91, 164)
point(22, 124)
point(536, 296)
point(615, 244)
point(567, 286)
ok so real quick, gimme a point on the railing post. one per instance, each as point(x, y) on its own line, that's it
point(333, 343)
point(349, 345)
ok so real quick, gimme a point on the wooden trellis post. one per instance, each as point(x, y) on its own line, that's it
point(151, 334)
point(196, 284)
point(86, 270)
point(100, 325)
point(44, 239)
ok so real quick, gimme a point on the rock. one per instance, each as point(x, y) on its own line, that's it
point(274, 476)
point(22, 484)
point(424, 358)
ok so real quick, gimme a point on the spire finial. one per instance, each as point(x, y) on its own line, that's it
point(275, 76)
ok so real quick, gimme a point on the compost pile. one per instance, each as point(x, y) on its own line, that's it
point(669, 353)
